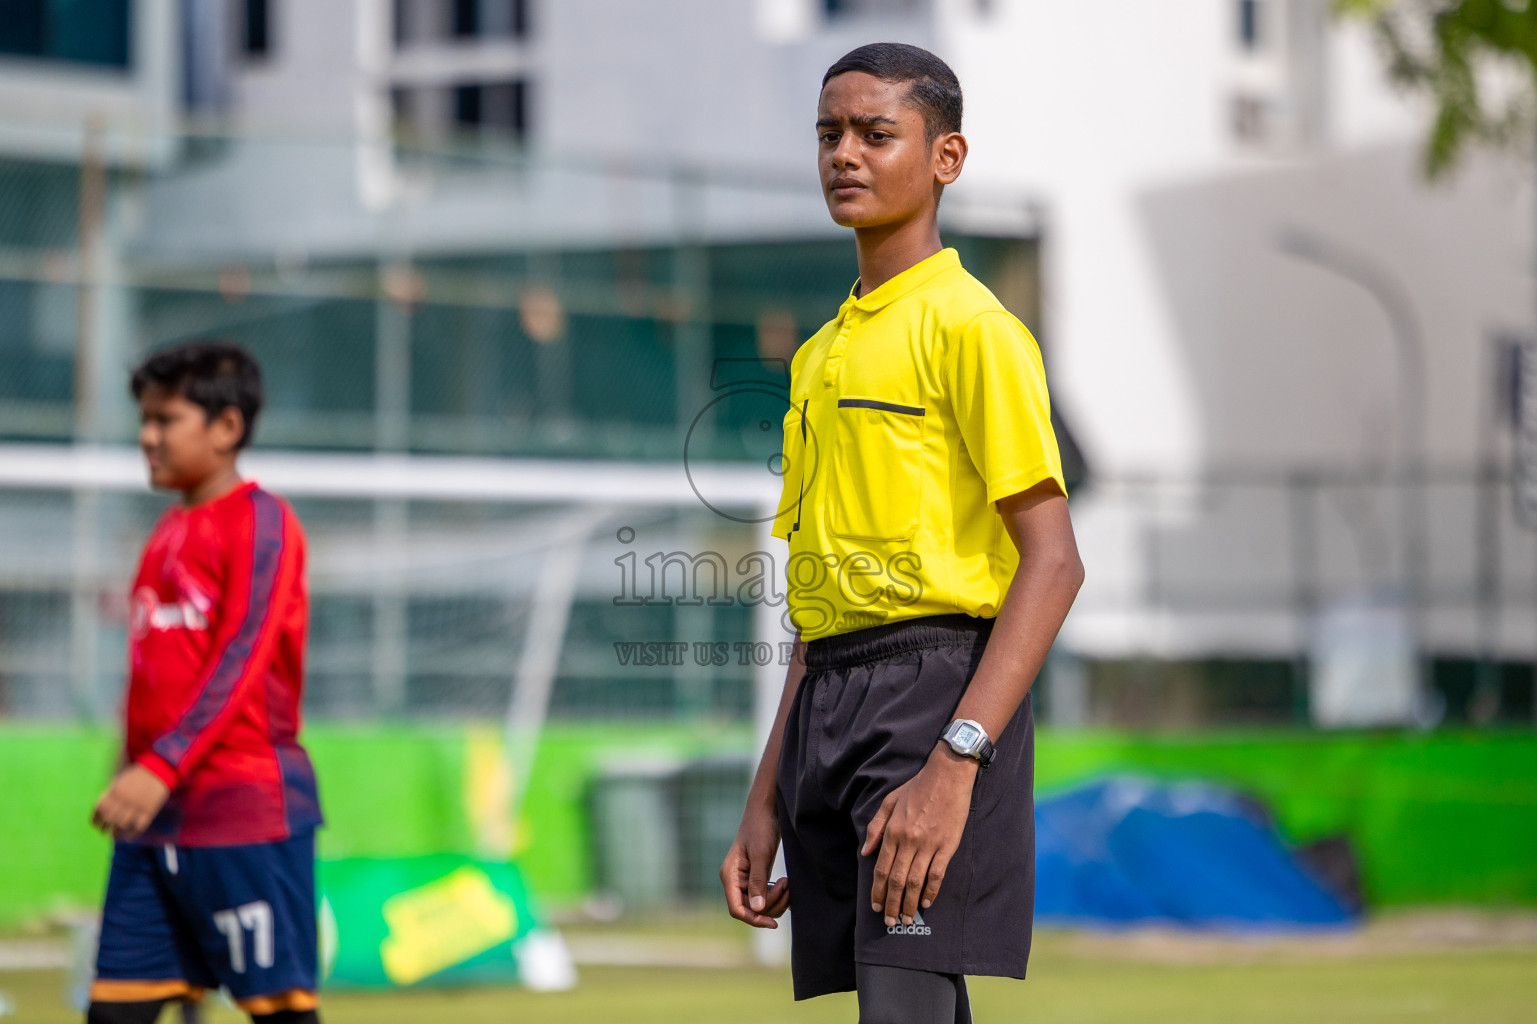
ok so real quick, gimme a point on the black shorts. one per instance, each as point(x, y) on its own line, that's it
point(870, 708)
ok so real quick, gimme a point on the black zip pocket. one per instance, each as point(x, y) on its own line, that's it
point(801, 497)
point(873, 403)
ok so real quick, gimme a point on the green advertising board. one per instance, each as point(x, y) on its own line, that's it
point(438, 920)
point(1436, 818)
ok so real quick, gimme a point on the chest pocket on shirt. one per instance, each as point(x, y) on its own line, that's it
point(877, 469)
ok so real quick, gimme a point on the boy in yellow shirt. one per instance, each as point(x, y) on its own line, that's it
point(932, 563)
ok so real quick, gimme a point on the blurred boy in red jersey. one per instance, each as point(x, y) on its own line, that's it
point(215, 809)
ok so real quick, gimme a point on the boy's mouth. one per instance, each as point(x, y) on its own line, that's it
point(844, 187)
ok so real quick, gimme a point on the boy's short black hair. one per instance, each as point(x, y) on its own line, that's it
point(213, 373)
point(935, 90)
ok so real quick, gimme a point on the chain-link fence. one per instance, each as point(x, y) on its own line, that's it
point(477, 302)
point(445, 303)
point(1223, 599)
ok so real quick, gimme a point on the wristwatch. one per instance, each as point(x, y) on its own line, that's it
point(969, 739)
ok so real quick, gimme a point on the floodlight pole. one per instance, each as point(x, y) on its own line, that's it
point(1409, 352)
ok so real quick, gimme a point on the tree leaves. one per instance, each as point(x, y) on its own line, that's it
point(1476, 59)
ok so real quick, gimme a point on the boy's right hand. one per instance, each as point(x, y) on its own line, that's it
point(130, 804)
point(744, 873)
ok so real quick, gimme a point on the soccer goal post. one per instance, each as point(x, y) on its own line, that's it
point(441, 587)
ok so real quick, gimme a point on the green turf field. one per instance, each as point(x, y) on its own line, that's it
point(1067, 985)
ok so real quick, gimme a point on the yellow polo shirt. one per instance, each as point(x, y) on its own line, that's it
point(912, 412)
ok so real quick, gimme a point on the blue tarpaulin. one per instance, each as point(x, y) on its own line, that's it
point(1122, 851)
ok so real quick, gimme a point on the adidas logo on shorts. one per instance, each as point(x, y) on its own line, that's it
point(916, 928)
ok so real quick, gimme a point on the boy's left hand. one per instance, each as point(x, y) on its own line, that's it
point(917, 830)
point(130, 803)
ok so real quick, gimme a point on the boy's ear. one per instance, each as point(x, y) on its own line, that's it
point(949, 157)
point(228, 427)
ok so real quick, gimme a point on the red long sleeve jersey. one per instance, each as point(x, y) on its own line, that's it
point(216, 649)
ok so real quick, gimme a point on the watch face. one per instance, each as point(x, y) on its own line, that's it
point(967, 735)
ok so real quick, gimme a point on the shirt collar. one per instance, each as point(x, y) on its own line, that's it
point(244, 487)
point(909, 280)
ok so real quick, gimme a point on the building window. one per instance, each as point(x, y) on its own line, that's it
point(852, 8)
point(466, 18)
point(76, 31)
point(434, 115)
point(479, 19)
point(418, 22)
point(493, 108)
point(468, 106)
point(256, 28)
point(399, 26)
point(1248, 24)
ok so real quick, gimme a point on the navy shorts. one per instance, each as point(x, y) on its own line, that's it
point(870, 708)
point(179, 920)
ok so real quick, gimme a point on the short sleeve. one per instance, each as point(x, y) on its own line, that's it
point(997, 388)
